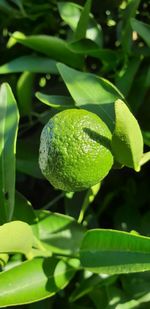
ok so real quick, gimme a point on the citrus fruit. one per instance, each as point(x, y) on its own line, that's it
point(75, 150)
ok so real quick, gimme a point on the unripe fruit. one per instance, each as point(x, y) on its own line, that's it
point(75, 150)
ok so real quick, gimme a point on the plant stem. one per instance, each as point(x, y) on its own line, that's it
point(55, 200)
point(145, 158)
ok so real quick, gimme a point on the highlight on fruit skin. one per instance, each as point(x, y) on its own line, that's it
point(75, 150)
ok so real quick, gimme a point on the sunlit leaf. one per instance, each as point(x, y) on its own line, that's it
point(55, 101)
point(114, 252)
point(51, 46)
point(145, 158)
point(30, 63)
point(25, 86)
point(59, 233)
point(70, 12)
point(16, 237)
point(35, 280)
point(91, 92)
point(9, 118)
point(142, 29)
point(82, 25)
point(4, 257)
point(127, 140)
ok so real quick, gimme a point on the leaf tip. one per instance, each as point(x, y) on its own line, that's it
point(37, 94)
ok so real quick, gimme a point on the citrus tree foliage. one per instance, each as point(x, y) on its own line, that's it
point(88, 249)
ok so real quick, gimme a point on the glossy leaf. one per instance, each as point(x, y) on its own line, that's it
point(53, 47)
point(16, 237)
point(142, 29)
point(114, 252)
point(91, 92)
point(70, 12)
point(4, 257)
point(35, 280)
point(59, 233)
point(55, 101)
point(127, 140)
point(82, 25)
point(9, 118)
point(25, 86)
point(30, 63)
point(145, 158)
point(89, 48)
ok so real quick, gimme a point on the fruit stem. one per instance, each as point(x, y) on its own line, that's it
point(89, 197)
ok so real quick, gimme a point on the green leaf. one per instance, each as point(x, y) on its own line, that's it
point(9, 118)
point(23, 211)
point(142, 83)
point(137, 285)
point(30, 63)
point(82, 25)
point(145, 158)
point(4, 257)
point(125, 77)
point(51, 46)
point(55, 101)
point(27, 155)
point(87, 285)
point(87, 47)
point(70, 12)
point(35, 280)
point(59, 233)
point(146, 137)
point(16, 237)
point(142, 29)
point(24, 93)
point(114, 252)
point(91, 92)
point(127, 140)
point(126, 30)
point(99, 297)
point(7, 8)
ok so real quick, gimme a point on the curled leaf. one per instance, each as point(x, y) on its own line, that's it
point(16, 236)
point(127, 140)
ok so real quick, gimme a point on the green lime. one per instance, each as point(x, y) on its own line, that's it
point(75, 150)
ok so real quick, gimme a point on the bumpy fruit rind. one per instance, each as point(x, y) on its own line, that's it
point(75, 150)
